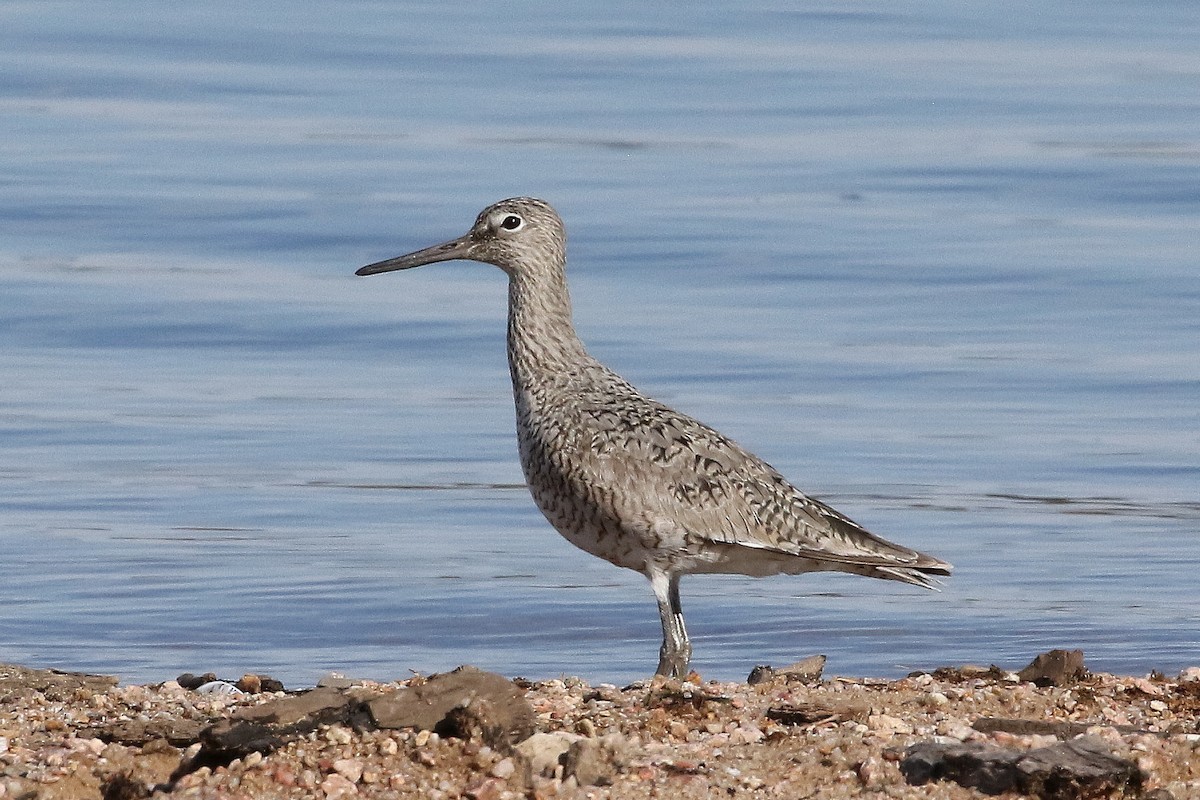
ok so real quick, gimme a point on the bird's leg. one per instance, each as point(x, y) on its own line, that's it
point(676, 650)
point(683, 643)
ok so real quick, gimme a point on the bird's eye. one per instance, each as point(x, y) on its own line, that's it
point(511, 222)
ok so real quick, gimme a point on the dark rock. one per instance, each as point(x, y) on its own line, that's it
point(1030, 727)
point(249, 683)
point(606, 694)
point(979, 766)
point(267, 727)
point(800, 714)
point(762, 673)
point(1055, 668)
point(53, 684)
point(291, 710)
point(966, 672)
point(1045, 727)
point(191, 682)
point(227, 740)
point(270, 684)
point(813, 713)
point(806, 670)
point(678, 697)
point(1081, 768)
point(495, 704)
point(335, 680)
point(467, 703)
point(122, 787)
point(137, 732)
point(476, 722)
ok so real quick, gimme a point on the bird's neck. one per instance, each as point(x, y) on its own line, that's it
point(541, 337)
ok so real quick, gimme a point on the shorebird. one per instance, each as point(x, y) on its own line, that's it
point(625, 477)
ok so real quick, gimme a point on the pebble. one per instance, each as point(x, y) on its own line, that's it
point(219, 688)
point(250, 683)
point(953, 729)
point(335, 680)
point(543, 751)
point(349, 768)
point(870, 772)
point(283, 776)
point(746, 734)
point(336, 787)
point(484, 789)
point(727, 746)
point(887, 724)
point(336, 734)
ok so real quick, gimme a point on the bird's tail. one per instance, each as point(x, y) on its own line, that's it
point(922, 573)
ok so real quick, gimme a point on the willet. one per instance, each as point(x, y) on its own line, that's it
point(625, 477)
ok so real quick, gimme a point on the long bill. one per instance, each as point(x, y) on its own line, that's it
point(447, 251)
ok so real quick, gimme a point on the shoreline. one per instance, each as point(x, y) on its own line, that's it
point(470, 734)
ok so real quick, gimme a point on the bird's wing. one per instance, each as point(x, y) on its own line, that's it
point(712, 486)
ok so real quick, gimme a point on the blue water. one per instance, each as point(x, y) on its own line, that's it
point(939, 265)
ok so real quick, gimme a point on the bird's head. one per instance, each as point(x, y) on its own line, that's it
point(519, 234)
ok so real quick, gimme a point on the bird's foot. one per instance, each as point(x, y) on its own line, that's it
point(673, 663)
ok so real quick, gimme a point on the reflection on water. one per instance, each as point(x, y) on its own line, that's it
point(937, 268)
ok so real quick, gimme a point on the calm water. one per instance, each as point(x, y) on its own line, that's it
point(940, 267)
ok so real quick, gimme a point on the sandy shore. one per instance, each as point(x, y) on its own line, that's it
point(65, 735)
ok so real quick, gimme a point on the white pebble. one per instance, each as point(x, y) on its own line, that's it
point(219, 688)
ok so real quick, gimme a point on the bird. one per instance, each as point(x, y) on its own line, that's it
point(625, 477)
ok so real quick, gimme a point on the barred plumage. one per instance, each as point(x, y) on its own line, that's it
point(625, 477)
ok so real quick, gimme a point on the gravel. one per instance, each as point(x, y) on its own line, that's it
point(64, 735)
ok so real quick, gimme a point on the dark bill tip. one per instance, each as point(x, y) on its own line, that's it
point(376, 268)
